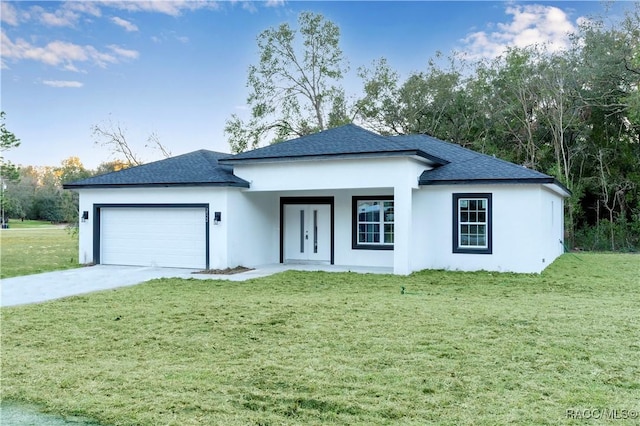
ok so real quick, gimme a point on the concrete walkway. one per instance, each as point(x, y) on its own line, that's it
point(54, 285)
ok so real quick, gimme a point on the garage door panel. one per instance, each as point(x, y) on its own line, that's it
point(153, 236)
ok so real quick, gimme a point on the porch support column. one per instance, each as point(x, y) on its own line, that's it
point(402, 208)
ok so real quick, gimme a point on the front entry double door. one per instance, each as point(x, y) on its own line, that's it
point(307, 233)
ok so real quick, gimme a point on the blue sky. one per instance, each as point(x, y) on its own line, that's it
point(178, 68)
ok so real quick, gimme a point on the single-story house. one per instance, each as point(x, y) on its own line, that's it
point(344, 196)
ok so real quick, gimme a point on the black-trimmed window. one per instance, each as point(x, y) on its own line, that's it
point(472, 223)
point(373, 226)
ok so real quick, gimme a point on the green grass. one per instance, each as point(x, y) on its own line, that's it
point(321, 348)
point(35, 250)
point(18, 224)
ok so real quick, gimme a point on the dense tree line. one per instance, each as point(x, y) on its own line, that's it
point(573, 114)
point(36, 192)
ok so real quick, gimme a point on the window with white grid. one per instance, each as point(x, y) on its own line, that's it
point(472, 223)
point(373, 223)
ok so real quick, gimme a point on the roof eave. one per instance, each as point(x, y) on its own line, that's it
point(243, 184)
point(541, 181)
point(559, 188)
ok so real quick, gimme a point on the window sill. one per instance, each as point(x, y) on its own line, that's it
point(472, 251)
point(371, 247)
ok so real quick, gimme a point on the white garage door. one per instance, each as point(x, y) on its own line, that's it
point(154, 236)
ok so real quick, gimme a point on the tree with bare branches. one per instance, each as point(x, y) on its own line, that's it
point(113, 137)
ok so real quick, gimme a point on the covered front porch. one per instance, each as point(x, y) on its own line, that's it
point(307, 230)
point(343, 184)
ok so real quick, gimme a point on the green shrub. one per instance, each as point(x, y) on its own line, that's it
point(621, 236)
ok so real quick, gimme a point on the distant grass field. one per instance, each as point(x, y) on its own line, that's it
point(37, 248)
point(21, 224)
point(322, 348)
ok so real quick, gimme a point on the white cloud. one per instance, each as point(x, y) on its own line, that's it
point(172, 8)
point(479, 45)
point(63, 17)
point(128, 26)
point(170, 36)
point(8, 14)
point(583, 21)
point(248, 6)
point(71, 11)
point(86, 7)
point(62, 53)
point(66, 15)
point(73, 68)
point(530, 25)
point(251, 5)
point(124, 53)
point(63, 83)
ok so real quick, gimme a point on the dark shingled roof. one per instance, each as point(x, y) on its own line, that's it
point(452, 164)
point(344, 141)
point(467, 166)
point(198, 168)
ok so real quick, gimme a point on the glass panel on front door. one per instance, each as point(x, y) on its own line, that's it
point(301, 231)
point(307, 233)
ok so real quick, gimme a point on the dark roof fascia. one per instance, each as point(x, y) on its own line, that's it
point(484, 181)
point(372, 154)
point(436, 160)
point(157, 185)
point(562, 186)
point(541, 180)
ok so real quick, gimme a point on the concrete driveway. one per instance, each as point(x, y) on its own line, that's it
point(55, 285)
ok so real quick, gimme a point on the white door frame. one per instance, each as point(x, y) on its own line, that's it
point(305, 200)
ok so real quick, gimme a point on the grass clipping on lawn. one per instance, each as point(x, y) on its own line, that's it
point(342, 348)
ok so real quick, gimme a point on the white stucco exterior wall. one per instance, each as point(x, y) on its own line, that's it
point(527, 219)
point(217, 198)
point(521, 229)
point(422, 231)
point(552, 215)
point(253, 224)
point(319, 175)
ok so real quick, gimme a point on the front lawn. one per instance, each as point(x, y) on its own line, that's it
point(313, 348)
point(22, 224)
point(32, 250)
